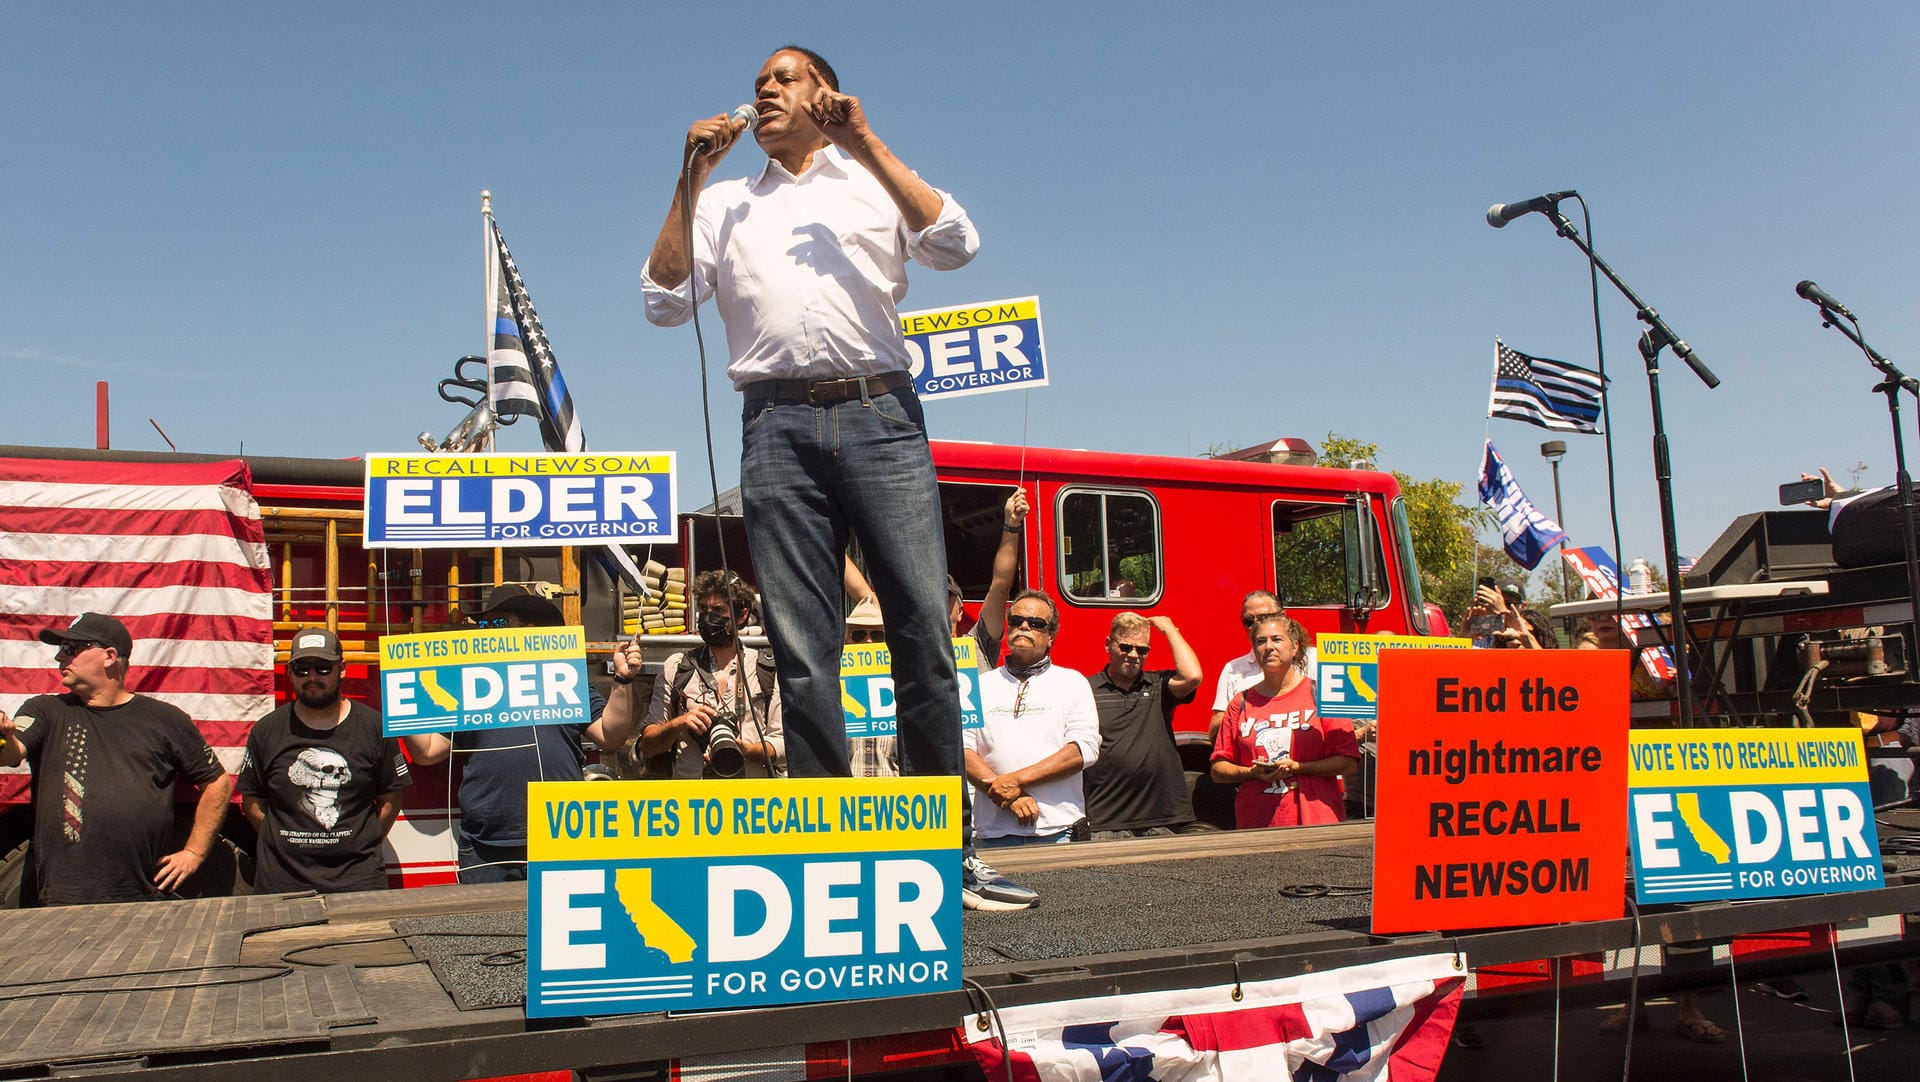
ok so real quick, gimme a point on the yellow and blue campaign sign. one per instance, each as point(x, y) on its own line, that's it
point(866, 687)
point(1750, 813)
point(656, 895)
point(975, 348)
point(515, 500)
point(1347, 678)
point(491, 678)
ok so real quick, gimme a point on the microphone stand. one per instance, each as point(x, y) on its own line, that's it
point(1891, 386)
point(1658, 337)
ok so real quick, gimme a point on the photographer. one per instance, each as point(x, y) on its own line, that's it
point(717, 707)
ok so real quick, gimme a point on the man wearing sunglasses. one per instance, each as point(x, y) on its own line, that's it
point(105, 762)
point(1138, 789)
point(1244, 671)
point(320, 785)
point(1039, 731)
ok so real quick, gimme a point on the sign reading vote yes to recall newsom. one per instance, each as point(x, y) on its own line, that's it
point(1502, 788)
point(657, 895)
point(441, 501)
point(489, 678)
point(1751, 813)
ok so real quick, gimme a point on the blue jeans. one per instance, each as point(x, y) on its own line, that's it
point(484, 863)
point(810, 477)
point(1014, 841)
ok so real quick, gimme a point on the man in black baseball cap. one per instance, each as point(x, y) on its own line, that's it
point(320, 785)
point(103, 812)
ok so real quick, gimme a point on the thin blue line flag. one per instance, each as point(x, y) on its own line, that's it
point(1552, 394)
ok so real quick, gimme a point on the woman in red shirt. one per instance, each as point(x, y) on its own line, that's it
point(1286, 759)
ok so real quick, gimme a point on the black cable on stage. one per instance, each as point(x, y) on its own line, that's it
point(1323, 890)
point(1633, 989)
point(990, 1013)
point(42, 988)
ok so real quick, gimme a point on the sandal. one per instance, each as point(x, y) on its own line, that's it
point(1700, 1031)
point(1616, 1022)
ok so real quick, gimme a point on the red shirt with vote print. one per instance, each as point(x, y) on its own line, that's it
point(1284, 726)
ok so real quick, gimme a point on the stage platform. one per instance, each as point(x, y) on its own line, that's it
point(426, 983)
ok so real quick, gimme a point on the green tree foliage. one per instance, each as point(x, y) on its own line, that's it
point(1443, 529)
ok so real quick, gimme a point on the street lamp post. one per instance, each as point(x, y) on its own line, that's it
point(1553, 451)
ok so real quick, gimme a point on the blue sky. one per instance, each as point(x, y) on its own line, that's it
point(261, 223)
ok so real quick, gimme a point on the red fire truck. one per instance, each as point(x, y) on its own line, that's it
point(1182, 537)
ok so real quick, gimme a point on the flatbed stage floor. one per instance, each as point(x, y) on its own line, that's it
point(316, 986)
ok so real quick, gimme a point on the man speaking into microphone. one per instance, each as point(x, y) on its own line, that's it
point(806, 262)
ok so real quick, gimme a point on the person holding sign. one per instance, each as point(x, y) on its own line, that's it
point(1286, 759)
point(496, 764)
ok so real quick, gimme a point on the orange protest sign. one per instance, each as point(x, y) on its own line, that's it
point(1502, 788)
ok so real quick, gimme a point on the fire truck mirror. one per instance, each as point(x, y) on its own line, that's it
point(1363, 557)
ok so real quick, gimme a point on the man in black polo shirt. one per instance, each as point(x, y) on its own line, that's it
point(1136, 788)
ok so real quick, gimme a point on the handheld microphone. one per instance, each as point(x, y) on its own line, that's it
point(743, 114)
point(1819, 296)
point(1500, 214)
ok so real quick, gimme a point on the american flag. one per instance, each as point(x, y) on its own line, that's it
point(526, 378)
point(1390, 1020)
point(1551, 394)
point(175, 551)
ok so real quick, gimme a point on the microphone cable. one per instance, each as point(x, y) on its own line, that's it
point(1606, 420)
point(700, 344)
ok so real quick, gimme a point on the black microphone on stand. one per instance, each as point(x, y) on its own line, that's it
point(1500, 214)
point(1819, 296)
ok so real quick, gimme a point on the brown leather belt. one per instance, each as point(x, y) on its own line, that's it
point(822, 392)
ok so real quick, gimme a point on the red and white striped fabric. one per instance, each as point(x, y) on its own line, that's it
point(175, 551)
point(1391, 1020)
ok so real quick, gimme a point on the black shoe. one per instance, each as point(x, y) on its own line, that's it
point(1783, 988)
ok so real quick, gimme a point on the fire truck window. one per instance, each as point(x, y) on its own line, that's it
point(1309, 554)
point(973, 515)
point(1109, 547)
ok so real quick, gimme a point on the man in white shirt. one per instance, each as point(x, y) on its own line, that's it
point(806, 263)
point(1040, 731)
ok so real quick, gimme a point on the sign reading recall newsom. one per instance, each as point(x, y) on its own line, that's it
point(975, 348)
point(429, 501)
point(1501, 789)
point(490, 678)
point(1751, 813)
point(657, 895)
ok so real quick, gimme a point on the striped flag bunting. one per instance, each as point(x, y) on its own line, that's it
point(1551, 394)
point(1389, 1020)
point(526, 378)
point(175, 551)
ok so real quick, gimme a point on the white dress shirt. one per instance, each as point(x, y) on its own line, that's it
point(1056, 710)
point(807, 271)
point(1243, 672)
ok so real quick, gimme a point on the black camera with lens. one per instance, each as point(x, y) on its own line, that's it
point(723, 747)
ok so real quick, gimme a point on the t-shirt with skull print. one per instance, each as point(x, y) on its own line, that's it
point(321, 788)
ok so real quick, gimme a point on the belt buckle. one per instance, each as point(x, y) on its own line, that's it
point(832, 388)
